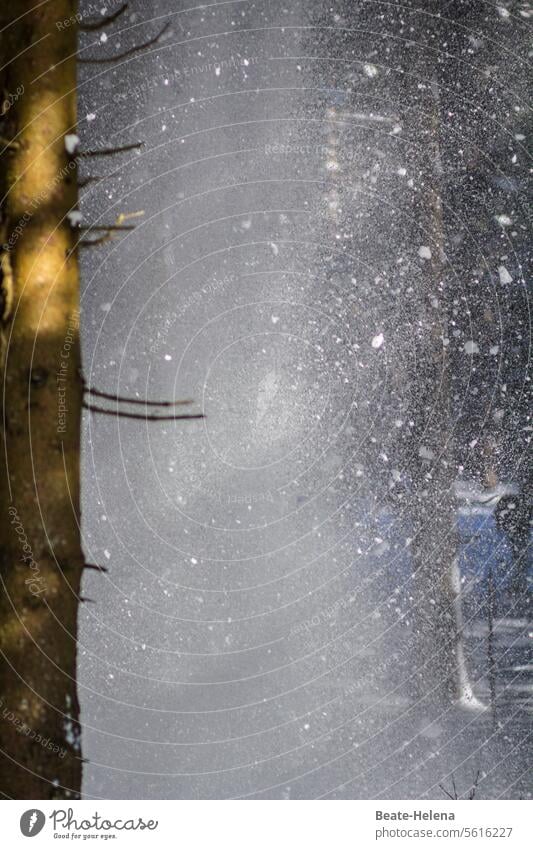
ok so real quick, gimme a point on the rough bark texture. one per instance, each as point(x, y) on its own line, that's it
point(41, 560)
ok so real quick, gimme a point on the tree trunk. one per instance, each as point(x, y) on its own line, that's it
point(442, 675)
point(41, 560)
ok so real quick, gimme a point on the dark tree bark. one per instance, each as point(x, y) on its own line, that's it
point(41, 559)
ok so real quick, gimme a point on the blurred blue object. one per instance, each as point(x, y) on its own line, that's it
point(482, 547)
point(486, 539)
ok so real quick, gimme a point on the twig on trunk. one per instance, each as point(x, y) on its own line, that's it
point(96, 567)
point(110, 229)
point(138, 417)
point(87, 181)
point(92, 243)
point(107, 228)
point(109, 151)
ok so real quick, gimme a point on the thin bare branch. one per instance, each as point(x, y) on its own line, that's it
point(107, 228)
point(82, 184)
point(127, 53)
point(449, 795)
point(92, 243)
point(109, 151)
point(139, 417)
point(473, 789)
point(94, 26)
point(96, 567)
